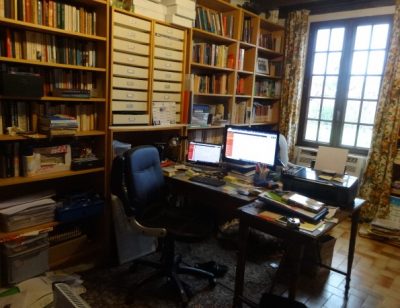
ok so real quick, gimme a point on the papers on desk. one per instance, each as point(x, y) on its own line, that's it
point(25, 212)
point(273, 216)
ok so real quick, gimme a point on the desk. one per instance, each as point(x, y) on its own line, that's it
point(248, 216)
point(247, 208)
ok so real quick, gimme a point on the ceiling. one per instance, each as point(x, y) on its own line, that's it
point(318, 6)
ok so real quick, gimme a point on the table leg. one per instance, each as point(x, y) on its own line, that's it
point(241, 262)
point(295, 256)
point(355, 217)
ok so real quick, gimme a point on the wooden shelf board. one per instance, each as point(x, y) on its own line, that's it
point(267, 97)
point(55, 65)
point(141, 128)
point(242, 96)
point(36, 27)
point(211, 67)
point(267, 76)
point(55, 98)
point(7, 236)
point(217, 5)
point(246, 45)
point(47, 176)
point(265, 123)
point(212, 94)
point(43, 136)
point(269, 52)
point(265, 24)
point(194, 127)
point(212, 37)
point(245, 72)
point(90, 133)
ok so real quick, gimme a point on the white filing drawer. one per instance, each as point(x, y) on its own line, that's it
point(169, 31)
point(168, 42)
point(131, 118)
point(128, 106)
point(127, 58)
point(169, 76)
point(167, 86)
point(129, 95)
point(131, 34)
point(130, 21)
point(168, 54)
point(166, 97)
point(168, 65)
point(130, 47)
point(178, 107)
point(128, 83)
point(130, 71)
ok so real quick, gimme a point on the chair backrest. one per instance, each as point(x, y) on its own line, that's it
point(137, 179)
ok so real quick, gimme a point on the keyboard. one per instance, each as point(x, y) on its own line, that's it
point(207, 180)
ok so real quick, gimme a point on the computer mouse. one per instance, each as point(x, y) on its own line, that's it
point(242, 191)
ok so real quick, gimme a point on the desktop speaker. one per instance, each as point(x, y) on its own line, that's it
point(21, 84)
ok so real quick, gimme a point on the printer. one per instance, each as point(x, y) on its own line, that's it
point(309, 183)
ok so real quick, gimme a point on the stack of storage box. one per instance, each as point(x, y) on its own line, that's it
point(152, 9)
point(180, 12)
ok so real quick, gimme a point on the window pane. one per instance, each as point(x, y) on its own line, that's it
point(324, 134)
point(311, 130)
point(368, 112)
point(316, 86)
point(355, 87)
point(313, 108)
point(322, 40)
point(319, 63)
point(379, 36)
point(333, 63)
point(359, 62)
point(352, 111)
point(336, 42)
point(330, 86)
point(364, 136)
point(362, 37)
point(375, 62)
point(327, 109)
point(372, 84)
point(349, 134)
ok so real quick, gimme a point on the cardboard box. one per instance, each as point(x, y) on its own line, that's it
point(178, 20)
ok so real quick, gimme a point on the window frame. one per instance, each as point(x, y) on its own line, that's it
point(343, 77)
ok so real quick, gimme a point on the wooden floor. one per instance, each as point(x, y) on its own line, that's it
point(375, 280)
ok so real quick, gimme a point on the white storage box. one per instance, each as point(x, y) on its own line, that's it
point(181, 11)
point(191, 5)
point(148, 5)
point(178, 20)
point(25, 259)
point(148, 13)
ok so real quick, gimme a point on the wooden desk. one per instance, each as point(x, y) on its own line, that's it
point(248, 215)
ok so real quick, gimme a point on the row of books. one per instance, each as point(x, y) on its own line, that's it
point(51, 13)
point(206, 135)
point(247, 30)
point(262, 112)
point(42, 47)
point(215, 84)
point(215, 22)
point(267, 88)
point(270, 41)
point(240, 114)
point(24, 115)
point(211, 54)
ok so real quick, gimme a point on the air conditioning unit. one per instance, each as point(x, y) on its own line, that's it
point(355, 164)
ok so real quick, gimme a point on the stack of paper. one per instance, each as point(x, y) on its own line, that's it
point(28, 211)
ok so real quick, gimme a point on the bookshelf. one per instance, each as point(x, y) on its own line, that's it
point(64, 43)
point(235, 63)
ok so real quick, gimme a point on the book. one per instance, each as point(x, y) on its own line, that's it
point(304, 202)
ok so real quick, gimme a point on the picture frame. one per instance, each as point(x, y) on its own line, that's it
point(262, 66)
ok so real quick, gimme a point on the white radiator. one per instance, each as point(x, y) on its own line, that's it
point(65, 297)
point(355, 164)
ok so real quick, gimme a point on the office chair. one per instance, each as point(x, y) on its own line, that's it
point(137, 179)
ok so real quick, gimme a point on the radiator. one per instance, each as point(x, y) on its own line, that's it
point(355, 164)
point(65, 297)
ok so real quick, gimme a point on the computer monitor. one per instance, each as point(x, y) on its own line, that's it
point(250, 145)
point(204, 153)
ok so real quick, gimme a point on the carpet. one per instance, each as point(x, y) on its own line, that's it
point(108, 287)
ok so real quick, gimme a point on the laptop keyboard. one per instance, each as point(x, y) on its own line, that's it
point(207, 180)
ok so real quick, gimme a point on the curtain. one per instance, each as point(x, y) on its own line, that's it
point(295, 57)
point(376, 183)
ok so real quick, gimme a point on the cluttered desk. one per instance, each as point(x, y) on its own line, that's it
point(301, 208)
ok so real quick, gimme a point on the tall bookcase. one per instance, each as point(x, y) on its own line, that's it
point(235, 62)
point(66, 43)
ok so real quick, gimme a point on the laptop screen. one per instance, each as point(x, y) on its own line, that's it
point(204, 153)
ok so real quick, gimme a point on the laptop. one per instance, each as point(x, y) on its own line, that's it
point(204, 154)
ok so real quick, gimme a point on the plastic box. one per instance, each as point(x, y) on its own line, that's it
point(25, 259)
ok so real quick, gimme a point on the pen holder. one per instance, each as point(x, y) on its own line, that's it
point(260, 179)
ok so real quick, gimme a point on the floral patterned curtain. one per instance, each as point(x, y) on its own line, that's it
point(375, 187)
point(295, 58)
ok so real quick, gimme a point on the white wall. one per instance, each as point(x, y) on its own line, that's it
point(384, 10)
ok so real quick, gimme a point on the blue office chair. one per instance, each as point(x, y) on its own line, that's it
point(137, 179)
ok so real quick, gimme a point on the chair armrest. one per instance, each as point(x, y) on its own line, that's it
point(157, 232)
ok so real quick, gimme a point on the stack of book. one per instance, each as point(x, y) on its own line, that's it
point(58, 125)
point(294, 205)
point(245, 175)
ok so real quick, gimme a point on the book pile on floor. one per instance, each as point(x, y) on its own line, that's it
point(386, 229)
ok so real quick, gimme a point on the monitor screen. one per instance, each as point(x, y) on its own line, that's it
point(204, 153)
point(247, 145)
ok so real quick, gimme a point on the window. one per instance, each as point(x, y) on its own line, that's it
point(345, 66)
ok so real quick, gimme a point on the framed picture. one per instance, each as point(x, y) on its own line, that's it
point(262, 66)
